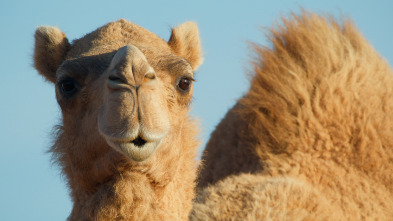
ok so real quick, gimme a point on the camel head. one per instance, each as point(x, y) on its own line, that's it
point(120, 87)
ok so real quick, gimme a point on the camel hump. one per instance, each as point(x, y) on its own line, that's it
point(319, 110)
point(319, 78)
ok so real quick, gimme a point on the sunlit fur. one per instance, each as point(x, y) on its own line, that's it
point(313, 137)
point(105, 184)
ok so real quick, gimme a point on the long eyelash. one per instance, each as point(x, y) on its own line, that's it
point(190, 78)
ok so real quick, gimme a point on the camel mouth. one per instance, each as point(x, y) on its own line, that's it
point(139, 142)
point(137, 149)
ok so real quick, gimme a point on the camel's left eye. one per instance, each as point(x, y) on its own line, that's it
point(185, 83)
point(68, 86)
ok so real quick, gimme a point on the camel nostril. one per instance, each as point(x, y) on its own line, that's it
point(116, 79)
point(150, 75)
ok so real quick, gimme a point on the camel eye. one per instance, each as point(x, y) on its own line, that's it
point(184, 83)
point(68, 86)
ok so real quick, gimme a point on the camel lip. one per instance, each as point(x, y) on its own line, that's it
point(137, 149)
point(135, 146)
point(138, 140)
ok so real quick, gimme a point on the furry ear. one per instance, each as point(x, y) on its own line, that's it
point(51, 46)
point(185, 42)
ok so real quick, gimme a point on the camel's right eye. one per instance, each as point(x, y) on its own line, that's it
point(68, 86)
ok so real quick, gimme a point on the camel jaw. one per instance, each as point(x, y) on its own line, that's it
point(136, 149)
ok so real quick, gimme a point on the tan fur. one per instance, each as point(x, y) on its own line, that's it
point(319, 113)
point(185, 42)
point(256, 197)
point(126, 81)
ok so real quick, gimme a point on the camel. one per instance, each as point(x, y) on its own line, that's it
point(126, 144)
point(312, 139)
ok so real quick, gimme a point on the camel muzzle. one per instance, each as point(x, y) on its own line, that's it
point(134, 117)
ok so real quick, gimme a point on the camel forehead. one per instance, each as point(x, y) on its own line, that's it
point(115, 35)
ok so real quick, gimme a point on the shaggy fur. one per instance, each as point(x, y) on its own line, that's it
point(314, 132)
point(256, 197)
point(105, 183)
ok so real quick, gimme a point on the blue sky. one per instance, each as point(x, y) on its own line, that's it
point(30, 187)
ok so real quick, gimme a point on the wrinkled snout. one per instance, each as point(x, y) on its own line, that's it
point(134, 116)
point(129, 66)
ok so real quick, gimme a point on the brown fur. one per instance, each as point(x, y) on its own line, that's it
point(50, 51)
point(318, 113)
point(106, 184)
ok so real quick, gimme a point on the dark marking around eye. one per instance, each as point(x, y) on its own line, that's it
point(68, 87)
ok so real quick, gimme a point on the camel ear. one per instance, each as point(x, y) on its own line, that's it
point(51, 46)
point(185, 42)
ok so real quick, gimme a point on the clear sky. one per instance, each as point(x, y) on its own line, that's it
point(30, 187)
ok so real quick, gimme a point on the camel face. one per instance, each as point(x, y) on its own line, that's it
point(121, 85)
point(133, 118)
